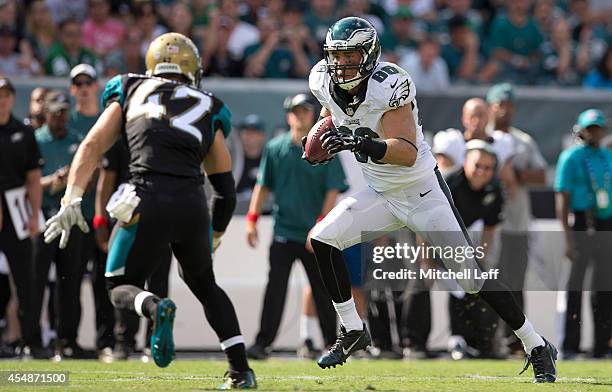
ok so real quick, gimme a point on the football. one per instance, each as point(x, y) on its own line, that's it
point(313, 151)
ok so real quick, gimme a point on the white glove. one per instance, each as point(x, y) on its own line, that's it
point(123, 202)
point(61, 223)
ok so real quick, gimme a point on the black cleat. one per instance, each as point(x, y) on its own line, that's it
point(307, 350)
point(542, 359)
point(258, 351)
point(239, 380)
point(346, 344)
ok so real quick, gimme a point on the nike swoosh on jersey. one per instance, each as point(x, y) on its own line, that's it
point(423, 194)
point(394, 83)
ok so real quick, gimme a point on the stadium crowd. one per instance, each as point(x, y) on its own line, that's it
point(543, 42)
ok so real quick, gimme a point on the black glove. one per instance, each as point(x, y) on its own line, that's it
point(306, 159)
point(334, 142)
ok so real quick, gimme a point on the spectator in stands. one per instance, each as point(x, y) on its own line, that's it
point(515, 40)
point(401, 38)
point(601, 77)
point(289, 177)
point(217, 59)
point(65, 9)
point(293, 21)
point(20, 164)
point(477, 196)
point(461, 54)
point(36, 115)
point(40, 29)
point(427, 69)
point(204, 12)
point(250, 10)
point(11, 62)
point(588, 30)
point(320, 15)
point(148, 19)
point(180, 20)
point(362, 9)
point(583, 189)
point(128, 57)
point(530, 170)
point(57, 144)
point(241, 34)
point(422, 9)
point(69, 51)
point(457, 8)
point(280, 54)
point(546, 14)
point(253, 138)
point(557, 53)
point(102, 33)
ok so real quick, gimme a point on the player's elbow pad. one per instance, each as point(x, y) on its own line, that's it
point(223, 200)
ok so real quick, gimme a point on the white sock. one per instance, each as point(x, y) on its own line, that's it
point(139, 300)
point(348, 315)
point(308, 327)
point(529, 337)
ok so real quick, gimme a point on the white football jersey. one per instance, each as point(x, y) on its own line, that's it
point(389, 87)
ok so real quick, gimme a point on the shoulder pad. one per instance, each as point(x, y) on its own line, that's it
point(317, 81)
point(392, 85)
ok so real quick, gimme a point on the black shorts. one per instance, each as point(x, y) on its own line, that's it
point(172, 217)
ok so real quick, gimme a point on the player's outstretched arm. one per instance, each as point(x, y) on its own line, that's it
point(400, 136)
point(218, 167)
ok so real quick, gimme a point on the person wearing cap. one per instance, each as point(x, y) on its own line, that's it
point(253, 139)
point(284, 173)
point(583, 185)
point(84, 88)
point(69, 51)
point(58, 144)
point(401, 38)
point(20, 163)
point(477, 195)
point(529, 168)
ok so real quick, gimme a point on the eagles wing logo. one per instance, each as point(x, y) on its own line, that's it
point(401, 92)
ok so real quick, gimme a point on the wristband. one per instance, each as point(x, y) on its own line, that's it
point(252, 217)
point(99, 221)
point(375, 149)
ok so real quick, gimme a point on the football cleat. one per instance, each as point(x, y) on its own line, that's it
point(162, 343)
point(346, 344)
point(239, 380)
point(542, 359)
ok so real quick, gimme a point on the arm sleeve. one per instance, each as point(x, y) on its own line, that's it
point(35, 160)
point(494, 213)
point(335, 178)
point(265, 175)
point(113, 92)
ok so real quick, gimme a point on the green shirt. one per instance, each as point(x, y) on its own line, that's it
point(82, 124)
point(299, 188)
point(59, 62)
point(57, 153)
point(521, 40)
point(573, 176)
point(280, 64)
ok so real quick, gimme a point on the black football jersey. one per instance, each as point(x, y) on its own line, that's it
point(169, 126)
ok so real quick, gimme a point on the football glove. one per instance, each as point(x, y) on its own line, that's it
point(68, 216)
point(334, 142)
point(123, 202)
point(324, 162)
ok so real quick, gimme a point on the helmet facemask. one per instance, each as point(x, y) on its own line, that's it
point(363, 39)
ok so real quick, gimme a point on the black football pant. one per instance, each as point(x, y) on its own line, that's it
point(69, 275)
point(172, 216)
point(590, 250)
point(282, 255)
point(21, 264)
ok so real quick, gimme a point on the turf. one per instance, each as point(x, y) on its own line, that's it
point(294, 375)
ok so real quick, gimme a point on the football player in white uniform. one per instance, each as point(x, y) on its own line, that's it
point(375, 114)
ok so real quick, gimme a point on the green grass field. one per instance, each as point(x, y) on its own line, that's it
point(294, 375)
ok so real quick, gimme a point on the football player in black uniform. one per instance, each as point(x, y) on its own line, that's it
point(171, 128)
